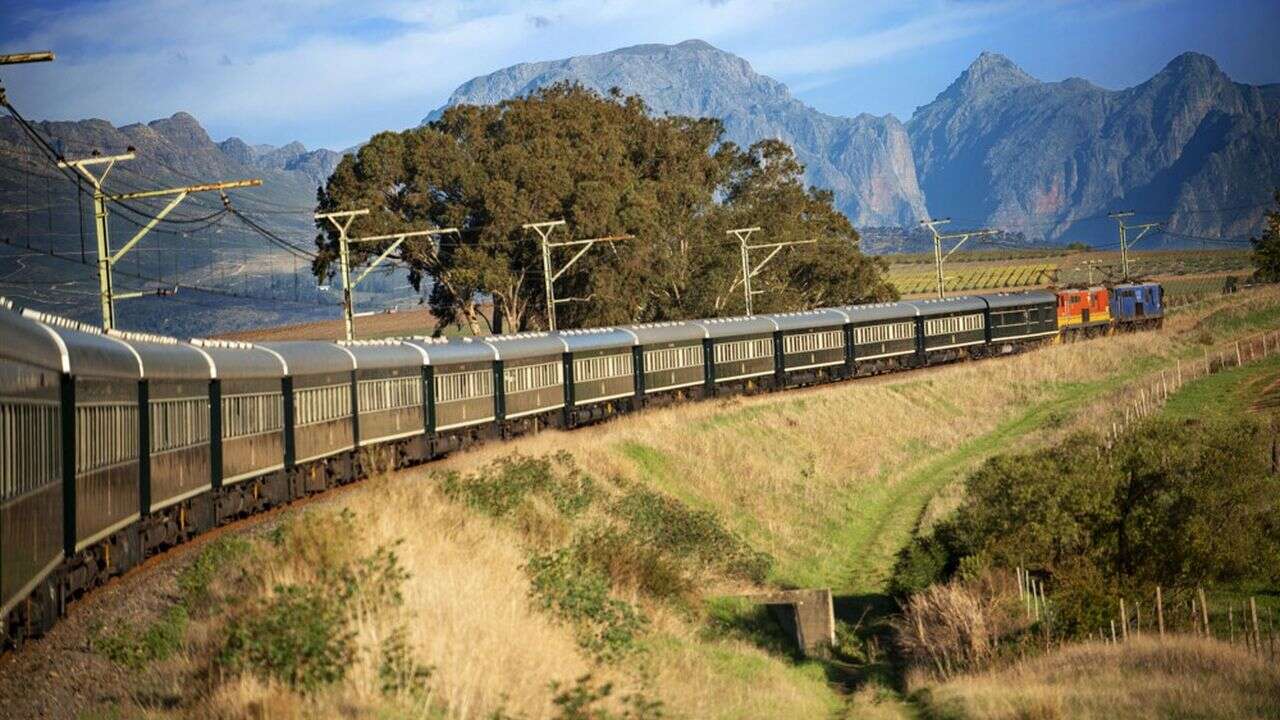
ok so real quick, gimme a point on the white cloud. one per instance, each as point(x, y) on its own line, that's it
point(876, 36)
point(333, 71)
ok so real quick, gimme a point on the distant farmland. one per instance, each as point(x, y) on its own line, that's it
point(1186, 274)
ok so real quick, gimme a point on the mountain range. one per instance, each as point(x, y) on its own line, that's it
point(1042, 161)
point(997, 147)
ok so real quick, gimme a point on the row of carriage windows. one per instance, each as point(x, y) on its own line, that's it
point(888, 332)
point(605, 367)
point(813, 342)
point(106, 435)
point(533, 377)
point(178, 423)
point(390, 393)
point(743, 350)
point(953, 325)
point(252, 414)
point(33, 427)
point(322, 404)
point(452, 387)
point(676, 358)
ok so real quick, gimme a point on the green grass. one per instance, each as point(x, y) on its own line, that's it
point(1226, 393)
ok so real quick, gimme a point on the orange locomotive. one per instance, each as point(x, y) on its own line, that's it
point(1084, 312)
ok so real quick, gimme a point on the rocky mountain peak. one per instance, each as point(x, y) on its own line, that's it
point(181, 129)
point(851, 156)
point(1193, 63)
point(989, 75)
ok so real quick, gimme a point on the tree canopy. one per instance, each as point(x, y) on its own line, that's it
point(1266, 249)
point(607, 167)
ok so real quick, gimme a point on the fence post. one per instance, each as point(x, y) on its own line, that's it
point(1239, 362)
point(1204, 612)
point(1160, 611)
point(1257, 638)
point(1124, 622)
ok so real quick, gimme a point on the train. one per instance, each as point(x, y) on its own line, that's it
point(115, 446)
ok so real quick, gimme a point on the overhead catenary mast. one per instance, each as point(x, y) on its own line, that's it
point(106, 258)
point(748, 271)
point(549, 276)
point(1125, 242)
point(341, 220)
point(938, 257)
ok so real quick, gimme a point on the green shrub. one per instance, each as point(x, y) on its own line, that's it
point(579, 594)
point(301, 637)
point(194, 581)
point(923, 562)
point(136, 648)
point(666, 523)
point(303, 634)
point(501, 487)
point(398, 671)
point(1171, 503)
point(583, 700)
point(631, 563)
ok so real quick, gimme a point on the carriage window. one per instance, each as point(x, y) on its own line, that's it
point(468, 385)
point(674, 358)
point(390, 393)
point(604, 367)
point(179, 423)
point(813, 342)
point(884, 333)
point(252, 414)
point(322, 404)
point(31, 427)
point(106, 435)
point(953, 325)
point(533, 377)
point(742, 350)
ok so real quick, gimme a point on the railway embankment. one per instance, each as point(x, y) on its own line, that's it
point(595, 570)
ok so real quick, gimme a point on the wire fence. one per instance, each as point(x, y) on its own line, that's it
point(1144, 398)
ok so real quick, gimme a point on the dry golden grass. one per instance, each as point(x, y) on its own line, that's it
point(465, 604)
point(830, 481)
point(1182, 676)
point(808, 476)
point(466, 614)
point(733, 679)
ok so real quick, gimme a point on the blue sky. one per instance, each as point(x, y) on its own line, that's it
point(331, 72)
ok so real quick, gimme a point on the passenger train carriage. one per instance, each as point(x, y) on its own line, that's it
point(116, 445)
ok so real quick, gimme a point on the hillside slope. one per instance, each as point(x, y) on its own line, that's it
point(477, 581)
